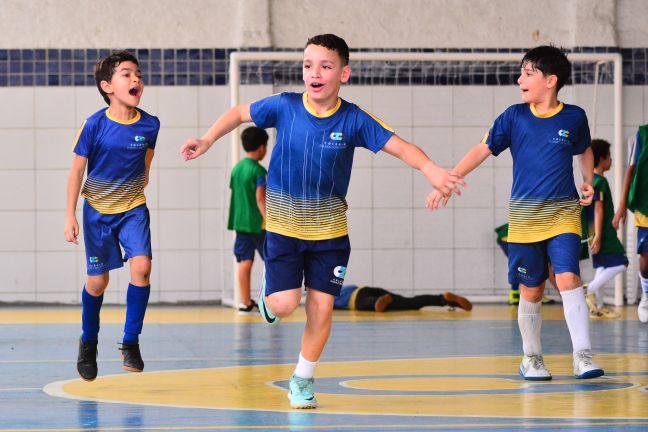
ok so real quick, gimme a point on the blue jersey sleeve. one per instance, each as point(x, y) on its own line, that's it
point(85, 139)
point(498, 138)
point(264, 112)
point(153, 139)
point(373, 133)
point(583, 140)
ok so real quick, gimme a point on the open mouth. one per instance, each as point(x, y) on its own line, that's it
point(317, 85)
point(134, 91)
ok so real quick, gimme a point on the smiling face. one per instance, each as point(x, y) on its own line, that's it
point(125, 87)
point(535, 86)
point(323, 74)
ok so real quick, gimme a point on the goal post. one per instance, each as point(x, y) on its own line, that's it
point(238, 57)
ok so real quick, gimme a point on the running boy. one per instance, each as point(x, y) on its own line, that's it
point(608, 254)
point(635, 198)
point(543, 135)
point(116, 145)
point(247, 209)
point(307, 238)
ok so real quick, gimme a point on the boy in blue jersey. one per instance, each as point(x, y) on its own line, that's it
point(543, 135)
point(116, 145)
point(608, 254)
point(308, 177)
point(635, 199)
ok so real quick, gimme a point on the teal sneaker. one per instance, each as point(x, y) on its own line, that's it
point(264, 310)
point(301, 394)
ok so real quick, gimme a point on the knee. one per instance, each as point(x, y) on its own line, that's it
point(282, 306)
point(96, 285)
point(141, 271)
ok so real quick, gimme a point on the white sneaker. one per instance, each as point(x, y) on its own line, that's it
point(584, 366)
point(642, 310)
point(532, 368)
point(590, 299)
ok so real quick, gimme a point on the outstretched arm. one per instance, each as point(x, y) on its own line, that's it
point(586, 162)
point(442, 180)
point(75, 178)
point(622, 209)
point(470, 161)
point(226, 123)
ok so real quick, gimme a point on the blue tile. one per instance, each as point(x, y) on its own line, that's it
point(194, 54)
point(4, 54)
point(156, 80)
point(181, 54)
point(4, 81)
point(14, 54)
point(40, 67)
point(14, 67)
point(66, 54)
point(89, 80)
point(27, 67)
point(143, 55)
point(52, 67)
point(28, 55)
point(169, 67)
point(66, 67)
point(155, 67)
point(78, 67)
point(169, 54)
point(28, 80)
point(40, 54)
point(103, 53)
point(53, 80)
point(78, 80)
point(194, 79)
point(206, 54)
point(40, 80)
point(92, 54)
point(194, 66)
point(66, 80)
point(207, 80)
point(181, 67)
point(77, 54)
point(169, 80)
point(156, 54)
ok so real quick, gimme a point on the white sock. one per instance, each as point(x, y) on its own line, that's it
point(305, 368)
point(577, 317)
point(603, 275)
point(530, 323)
point(644, 284)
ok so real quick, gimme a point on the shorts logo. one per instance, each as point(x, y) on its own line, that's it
point(522, 270)
point(337, 136)
point(93, 260)
point(339, 272)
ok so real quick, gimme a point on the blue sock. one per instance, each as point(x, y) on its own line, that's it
point(515, 287)
point(136, 302)
point(91, 306)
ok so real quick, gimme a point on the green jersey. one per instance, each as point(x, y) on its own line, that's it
point(610, 244)
point(244, 213)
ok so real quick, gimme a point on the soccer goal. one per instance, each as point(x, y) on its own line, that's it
point(403, 257)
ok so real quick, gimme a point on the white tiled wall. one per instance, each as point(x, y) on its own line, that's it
point(396, 242)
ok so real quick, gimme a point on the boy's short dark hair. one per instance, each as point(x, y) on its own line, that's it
point(550, 61)
point(105, 68)
point(253, 138)
point(601, 149)
point(332, 42)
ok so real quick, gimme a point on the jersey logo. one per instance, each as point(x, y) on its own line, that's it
point(139, 138)
point(563, 133)
point(337, 136)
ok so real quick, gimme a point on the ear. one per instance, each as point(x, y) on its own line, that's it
point(346, 73)
point(106, 87)
point(552, 81)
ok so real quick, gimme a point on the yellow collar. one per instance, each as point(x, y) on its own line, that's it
point(311, 110)
point(126, 122)
point(550, 113)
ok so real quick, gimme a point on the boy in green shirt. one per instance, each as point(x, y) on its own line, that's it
point(635, 198)
point(608, 254)
point(247, 209)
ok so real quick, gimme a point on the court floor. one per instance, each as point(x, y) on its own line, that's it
point(208, 369)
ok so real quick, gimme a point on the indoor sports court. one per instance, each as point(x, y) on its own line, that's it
point(439, 74)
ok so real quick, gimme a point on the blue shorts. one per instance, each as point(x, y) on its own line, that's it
point(609, 260)
point(642, 240)
point(318, 264)
point(104, 233)
point(528, 261)
point(246, 243)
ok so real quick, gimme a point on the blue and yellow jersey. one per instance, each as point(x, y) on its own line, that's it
point(544, 199)
point(116, 152)
point(310, 165)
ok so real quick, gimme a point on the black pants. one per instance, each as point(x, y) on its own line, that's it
point(367, 296)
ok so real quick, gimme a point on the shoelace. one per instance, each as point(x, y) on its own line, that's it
point(537, 362)
point(585, 358)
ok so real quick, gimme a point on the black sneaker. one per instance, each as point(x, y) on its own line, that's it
point(247, 309)
point(87, 360)
point(132, 358)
